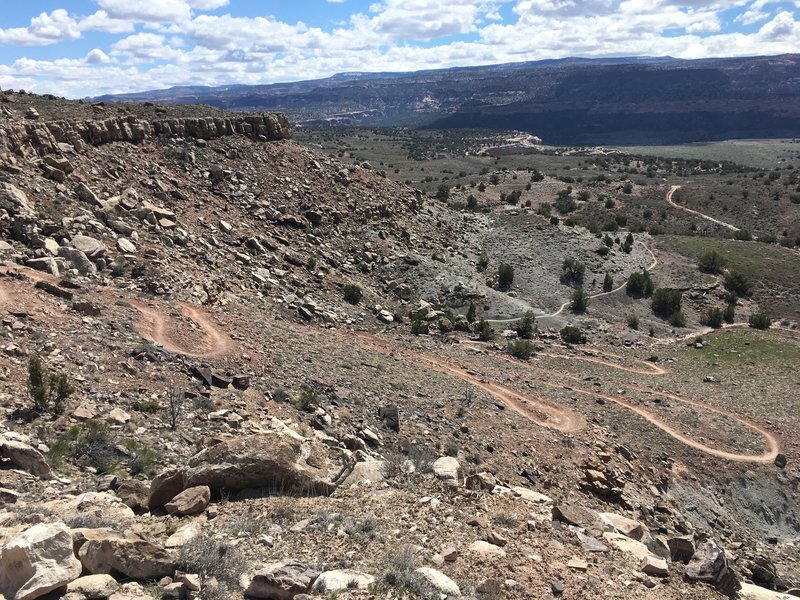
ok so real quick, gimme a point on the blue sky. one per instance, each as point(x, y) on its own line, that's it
point(78, 48)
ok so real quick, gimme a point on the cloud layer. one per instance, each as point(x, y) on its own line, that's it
point(160, 43)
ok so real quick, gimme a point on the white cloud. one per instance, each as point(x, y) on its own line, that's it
point(147, 11)
point(47, 28)
point(100, 21)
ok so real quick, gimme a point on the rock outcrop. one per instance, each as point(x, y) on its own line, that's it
point(43, 138)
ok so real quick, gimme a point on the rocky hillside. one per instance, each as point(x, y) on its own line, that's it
point(212, 390)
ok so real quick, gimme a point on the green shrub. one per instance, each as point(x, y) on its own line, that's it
point(526, 326)
point(579, 300)
point(677, 319)
point(737, 283)
point(640, 285)
point(760, 321)
point(522, 349)
point(572, 335)
point(141, 458)
point(712, 318)
point(608, 283)
point(148, 405)
point(419, 326)
point(633, 321)
point(743, 235)
point(485, 331)
point(308, 401)
point(471, 312)
point(48, 391)
point(666, 301)
point(711, 262)
point(572, 270)
point(483, 262)
point(728, 314)
point(91, 445)
point(352, 293)
point(472, 202)
point(505, 276)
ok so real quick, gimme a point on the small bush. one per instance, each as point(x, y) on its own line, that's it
point(505, 276)
point(211, 558)
point(141, 458)
point(572, 335)
point(522, 349)
point(737, 283)
point(677, 319)
point(760, 321)
point(485, 331)
point(148, 405)
point(640, 285)
point(608, 283)
point(579, 300)
point(729, 313)
point(743, 235)
point(483, 262)
point(471, 312)
point(90, 444)
point(352, 293)
point(633, 322)
point(711, 262)
point(573, 271)
point(308, 401)
point(526, 327)
point(47, 391)
point(666, 302)
point(712, 318)
point(419, 326)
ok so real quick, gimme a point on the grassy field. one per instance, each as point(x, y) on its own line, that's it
point(764, 349)
point(773, 270)
point(761, 154)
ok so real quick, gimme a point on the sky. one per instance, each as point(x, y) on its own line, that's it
point(80, 48)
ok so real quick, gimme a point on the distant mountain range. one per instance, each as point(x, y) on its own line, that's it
point(567, 101)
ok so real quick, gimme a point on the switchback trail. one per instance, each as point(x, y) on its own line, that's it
point(154, 322)
point(154, 326)
point(535, 409)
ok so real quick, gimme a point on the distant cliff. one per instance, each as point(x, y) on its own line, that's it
point(570, 101)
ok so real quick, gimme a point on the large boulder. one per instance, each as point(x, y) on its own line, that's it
point(447, 469)
point(91, 247)
point(14, 200)
point(91, 508)
point(709, 565)
point(25, 457)
point(279, 461)
point(38, 562)
point(281, 581)
point(164, 487)
point(191, 501)
point(102, 551)
point(77, 260)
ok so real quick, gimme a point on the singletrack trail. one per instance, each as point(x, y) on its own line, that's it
point(696, 213)
point(154, 326)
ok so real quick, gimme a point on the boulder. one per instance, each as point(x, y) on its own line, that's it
point(25, 457)
point(532, 496)
point(428, 579)
point(486, 550)
point(183, 535)
point(681, 549)
point(164, 487)
point(14, 200)
point(624, 525)
point(83, 192)
point(101, 506)
point(78, 260)
point(93, 587)
point(133, 494)
point(390, 415)
point(573, 515)
point(190, 501)
point(709, 565)
point(371, 471)
point(104, 551)
point(342, 579)
point(654, 565)
point(281, 581)
point(447, 468)
point(91, 247)
point(37, 562)
point(278, 460)
point(628, 545)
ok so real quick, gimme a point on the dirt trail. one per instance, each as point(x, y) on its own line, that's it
point(154, 322)
point(537, 410)
point(563, 307)
point(674, 204)
point(155, 326)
